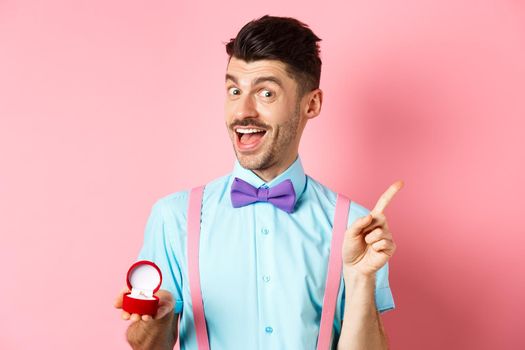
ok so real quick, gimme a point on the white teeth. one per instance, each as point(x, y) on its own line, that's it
point(248, 131)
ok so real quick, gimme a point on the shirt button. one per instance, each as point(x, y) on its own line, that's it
point(268, 330)
point(266, 278)
point(265, 231)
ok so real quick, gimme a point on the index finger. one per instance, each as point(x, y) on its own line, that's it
point(387, 196)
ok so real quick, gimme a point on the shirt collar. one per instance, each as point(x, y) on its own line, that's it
point(295, 172)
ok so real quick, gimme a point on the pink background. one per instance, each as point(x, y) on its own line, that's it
point(105, 106)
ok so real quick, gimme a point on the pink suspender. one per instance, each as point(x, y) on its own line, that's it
point(332, 279)
point(194, 231)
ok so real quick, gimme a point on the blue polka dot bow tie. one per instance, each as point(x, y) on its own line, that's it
point(281, 195)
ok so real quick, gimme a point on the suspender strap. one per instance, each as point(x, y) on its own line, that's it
point(194, 230)
point(333, 277)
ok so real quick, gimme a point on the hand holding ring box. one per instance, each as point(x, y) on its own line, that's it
point(144, 279)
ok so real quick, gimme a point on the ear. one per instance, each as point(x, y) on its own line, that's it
point(313, 101)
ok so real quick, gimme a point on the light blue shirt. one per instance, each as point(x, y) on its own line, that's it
point(263, 270)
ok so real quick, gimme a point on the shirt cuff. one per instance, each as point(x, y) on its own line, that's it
point(178, 306)
point(384, 300)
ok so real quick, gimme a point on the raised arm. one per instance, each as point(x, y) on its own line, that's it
point(367, 246)
point(362, 327)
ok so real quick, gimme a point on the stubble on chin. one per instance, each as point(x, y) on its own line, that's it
point(262, 160)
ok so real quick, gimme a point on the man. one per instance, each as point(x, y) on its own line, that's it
point(263, 267)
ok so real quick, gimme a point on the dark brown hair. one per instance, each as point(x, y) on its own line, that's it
point(284, 39)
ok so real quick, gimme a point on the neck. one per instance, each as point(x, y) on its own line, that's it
point(272, 172)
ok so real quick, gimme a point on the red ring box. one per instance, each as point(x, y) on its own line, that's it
point(144, 278)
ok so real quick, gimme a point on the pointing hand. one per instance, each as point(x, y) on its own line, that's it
point(368, 242)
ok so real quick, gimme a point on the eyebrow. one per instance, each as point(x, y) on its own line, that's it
point(258, 80)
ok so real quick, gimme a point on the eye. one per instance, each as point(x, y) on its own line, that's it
point(234, 91)
point(266, 93)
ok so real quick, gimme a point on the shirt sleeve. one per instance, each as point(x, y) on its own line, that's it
point(159, 236)
point(383, 295)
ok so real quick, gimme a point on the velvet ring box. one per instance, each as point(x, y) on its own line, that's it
point(144, 279)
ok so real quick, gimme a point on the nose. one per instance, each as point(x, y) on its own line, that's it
point(245, 107)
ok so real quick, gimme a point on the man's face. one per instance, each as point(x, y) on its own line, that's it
point(261, 95)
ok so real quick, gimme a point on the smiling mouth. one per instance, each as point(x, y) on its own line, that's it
point(249, 141)
point(249, 138)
